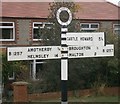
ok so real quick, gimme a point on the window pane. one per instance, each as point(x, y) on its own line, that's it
point(11, 75)
point(116, 26)
point(88, 30)
point(6, 24)
point(39, 61)
point(7, 33)
point(39, 68)
point(37, 33)
point(84, 25)
point(49, 26)
point(38, 25)
point(94, 25)
point(117, 32)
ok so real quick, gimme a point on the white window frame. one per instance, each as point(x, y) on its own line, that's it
point(2, 27)
point(115, 28)
point(89, 26)
point(43, 25)
point(11, 77)
point(33, 73)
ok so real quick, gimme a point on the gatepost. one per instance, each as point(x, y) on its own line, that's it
point(20, 93)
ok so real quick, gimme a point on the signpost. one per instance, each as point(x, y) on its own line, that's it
point(31, 53)
point(73, 45)
point(90, 51)
point(85, 39)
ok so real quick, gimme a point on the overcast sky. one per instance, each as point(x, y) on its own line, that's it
point(114, 1)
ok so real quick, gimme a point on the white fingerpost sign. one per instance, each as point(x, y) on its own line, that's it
point(31, 53)
point(90, 51)
point(85, 39)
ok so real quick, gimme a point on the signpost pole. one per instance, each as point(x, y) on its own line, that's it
point(64, 53)
point(64, 66)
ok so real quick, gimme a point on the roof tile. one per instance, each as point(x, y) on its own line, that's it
point(88, 10)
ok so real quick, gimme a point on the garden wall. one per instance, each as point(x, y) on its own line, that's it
point(108, 91)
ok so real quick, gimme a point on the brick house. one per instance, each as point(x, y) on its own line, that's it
point(20, 23)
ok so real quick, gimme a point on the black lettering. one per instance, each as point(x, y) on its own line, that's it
point(76, 54)
point(16, 53)
point(103, 50)
point(80, 48)
point(10, 53)
point(56, 55)
point(20, 53)
point(29, 56)
point(100, 39)
point(86, 38)
point(38, 56)
point(38, 49)
point(109, 50)
point(95, 54)
point(72, 38)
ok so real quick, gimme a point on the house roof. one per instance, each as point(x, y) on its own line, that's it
point(87, 10)
point(95, 10)
point(25, 9)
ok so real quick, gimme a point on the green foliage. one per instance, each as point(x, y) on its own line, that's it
point(18, 67)
point(56, 5)
point(52, 36)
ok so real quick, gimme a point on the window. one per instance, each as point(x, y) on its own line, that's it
point(38, 27)
point(89, 27)
point(36, 68)
point(11, 76)
point(7, 31)
point(116, 28)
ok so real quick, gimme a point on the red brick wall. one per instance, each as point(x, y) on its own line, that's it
point(20, 93)
point(112, 91)
point(42, 96)
point(87, 92)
